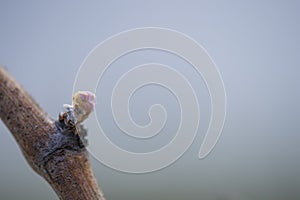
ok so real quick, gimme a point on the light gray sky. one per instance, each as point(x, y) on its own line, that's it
point(255, 44)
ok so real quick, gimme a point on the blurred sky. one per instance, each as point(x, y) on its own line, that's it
point(256, 46)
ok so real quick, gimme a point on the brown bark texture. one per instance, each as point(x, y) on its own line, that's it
point(53, 149)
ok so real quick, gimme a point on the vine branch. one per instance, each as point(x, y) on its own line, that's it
point(51, 148)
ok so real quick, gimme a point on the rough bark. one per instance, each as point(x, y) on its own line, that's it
point(51, 148)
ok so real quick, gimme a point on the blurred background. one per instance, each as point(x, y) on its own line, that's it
point(255, 44)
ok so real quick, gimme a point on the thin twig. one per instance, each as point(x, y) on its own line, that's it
point(51, 149)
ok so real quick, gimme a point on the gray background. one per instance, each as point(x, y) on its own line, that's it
point(256, 47)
